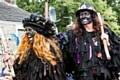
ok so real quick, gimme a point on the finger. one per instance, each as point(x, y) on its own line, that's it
point(107, 41)
point(108, 44)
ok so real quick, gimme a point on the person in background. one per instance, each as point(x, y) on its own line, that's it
point(84, 49)
point(6, 72)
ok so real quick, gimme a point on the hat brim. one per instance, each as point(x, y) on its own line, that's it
point(78, 12)
point(33, 24)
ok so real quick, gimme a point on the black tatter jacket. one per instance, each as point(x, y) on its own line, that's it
point(82, 56)
point(34, 69)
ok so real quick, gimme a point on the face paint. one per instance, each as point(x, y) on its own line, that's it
point(85, 17)
point(30, 33)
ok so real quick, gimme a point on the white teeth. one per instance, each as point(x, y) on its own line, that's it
point(30, 39)
point(84, 19)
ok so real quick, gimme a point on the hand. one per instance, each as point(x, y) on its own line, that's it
point(106, 37)
point(7, 71)
point(6, 56)
point(8, 60)
point(8, 78)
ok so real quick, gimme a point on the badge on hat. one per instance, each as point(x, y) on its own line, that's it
point(83, 6)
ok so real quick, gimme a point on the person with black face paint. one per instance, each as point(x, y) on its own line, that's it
point(38, 57)
point(84, 51)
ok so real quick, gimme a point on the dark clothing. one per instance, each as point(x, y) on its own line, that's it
point(35, 69)
point(81, 56)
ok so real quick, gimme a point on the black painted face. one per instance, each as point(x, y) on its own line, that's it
point(30, 33)
point(85, 17)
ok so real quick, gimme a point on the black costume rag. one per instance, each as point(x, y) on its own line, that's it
point(34, 69)
point(81, 57)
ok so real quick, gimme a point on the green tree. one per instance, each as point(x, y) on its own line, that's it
point(110, 15)
point(115, 4)
point(66, 8)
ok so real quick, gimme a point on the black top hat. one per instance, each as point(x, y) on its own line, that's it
point(40, 24)
point(86, 7)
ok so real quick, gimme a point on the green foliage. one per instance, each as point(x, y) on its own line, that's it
point(110, 16)
point(115, 4)
point(66, 8)
point(34, 6)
